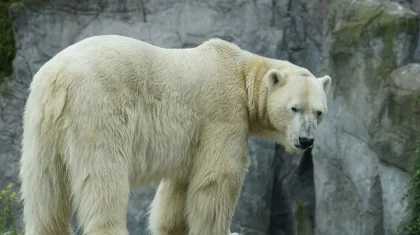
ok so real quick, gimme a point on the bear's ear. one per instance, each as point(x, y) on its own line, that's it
point(274, 78)
point(325, 82)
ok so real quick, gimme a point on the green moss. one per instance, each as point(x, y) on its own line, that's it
point(7, 43)
point(368, 32)
point(362, 24)
point(411, 226)
point(351, 30)
point(303, 225)
point(404, 115)
point(404, 108)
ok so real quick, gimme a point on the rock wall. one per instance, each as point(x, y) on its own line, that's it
point(352, 182)
point(361, 153)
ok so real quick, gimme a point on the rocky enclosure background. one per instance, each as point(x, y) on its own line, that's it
point(352, 182)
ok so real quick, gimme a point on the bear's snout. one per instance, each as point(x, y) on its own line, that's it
point(305, 142)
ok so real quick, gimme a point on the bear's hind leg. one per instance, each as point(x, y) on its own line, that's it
point(44, 189)
point(100, 186)
point(167, 214)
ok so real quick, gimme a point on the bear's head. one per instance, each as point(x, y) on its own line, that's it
point(295, 106)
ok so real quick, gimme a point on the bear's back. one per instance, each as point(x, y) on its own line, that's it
point(126, 72)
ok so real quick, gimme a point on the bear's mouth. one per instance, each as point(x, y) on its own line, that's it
point(302, 147)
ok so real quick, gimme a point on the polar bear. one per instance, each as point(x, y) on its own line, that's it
point(111, 113)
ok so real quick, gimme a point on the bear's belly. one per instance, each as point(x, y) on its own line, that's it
point(165, 142)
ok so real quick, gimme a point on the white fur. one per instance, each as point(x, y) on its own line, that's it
point(111, 113)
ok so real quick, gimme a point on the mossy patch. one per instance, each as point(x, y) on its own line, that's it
point(371, 33)
point(404, 104)
point(404, 112)
point(405, 109)
point(7, 43)
point(362, 24)
point(411, 226)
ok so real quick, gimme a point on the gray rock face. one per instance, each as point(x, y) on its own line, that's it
point(352, 183)
point(359, 158)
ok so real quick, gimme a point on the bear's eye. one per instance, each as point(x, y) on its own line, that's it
point(294, 109)
point(319, 113)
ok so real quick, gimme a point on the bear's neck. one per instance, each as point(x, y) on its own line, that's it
point(254, 68)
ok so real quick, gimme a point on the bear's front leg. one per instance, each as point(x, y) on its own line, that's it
point(216, 180)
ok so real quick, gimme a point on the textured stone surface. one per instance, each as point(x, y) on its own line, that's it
point(393, 197)
point(400, 122)
point(395, 134)
point(352, 183)
point(365, 43)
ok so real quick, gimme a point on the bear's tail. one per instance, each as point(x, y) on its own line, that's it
point(43, 175)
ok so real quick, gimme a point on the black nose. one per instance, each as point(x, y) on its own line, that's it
point(306, 142)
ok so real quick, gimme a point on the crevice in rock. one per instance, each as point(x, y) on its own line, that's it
point(143, 8)
point(305, 189)
point(281, 221)
point(377, 205)
point(306, 162)
point(293, 188)
point(273, 12)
